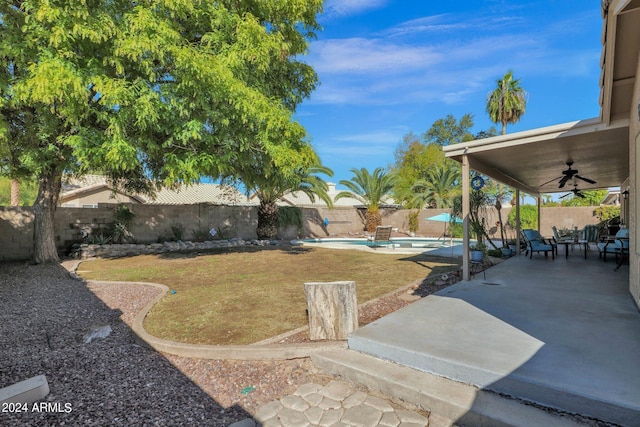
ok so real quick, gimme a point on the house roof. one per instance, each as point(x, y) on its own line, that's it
point(599, 147)
point(199, 193)
point(73, 187)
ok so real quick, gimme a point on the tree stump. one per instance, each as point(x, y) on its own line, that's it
point(333, 309)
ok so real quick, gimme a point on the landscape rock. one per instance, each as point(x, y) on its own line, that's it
point(86, 251)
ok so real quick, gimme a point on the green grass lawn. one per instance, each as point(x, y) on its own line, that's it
point(246, 295)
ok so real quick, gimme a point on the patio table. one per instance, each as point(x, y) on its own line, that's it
point(582, 243)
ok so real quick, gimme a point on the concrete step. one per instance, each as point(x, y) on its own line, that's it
point(27, 391)
point(450, 402)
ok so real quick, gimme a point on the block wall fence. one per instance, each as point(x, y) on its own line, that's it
point(153, 221)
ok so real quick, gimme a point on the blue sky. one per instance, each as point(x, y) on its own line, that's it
point(390, 67)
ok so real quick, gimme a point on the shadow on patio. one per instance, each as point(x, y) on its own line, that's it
point(563, 333)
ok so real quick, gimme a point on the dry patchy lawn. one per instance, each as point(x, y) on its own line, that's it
point(246, 295)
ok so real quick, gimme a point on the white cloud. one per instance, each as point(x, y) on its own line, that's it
point(351, 7)
point(393, 70)
point(363, 145)
point(366, 56)
point(451, 24)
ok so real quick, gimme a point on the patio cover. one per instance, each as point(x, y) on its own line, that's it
point(529, 161)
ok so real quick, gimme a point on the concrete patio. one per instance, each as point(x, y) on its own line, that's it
point(564, 334)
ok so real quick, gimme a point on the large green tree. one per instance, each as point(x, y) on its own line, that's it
point(589, 198)
point(371, 189)
point(413, 160)
point(449, 130)
point(151, 91)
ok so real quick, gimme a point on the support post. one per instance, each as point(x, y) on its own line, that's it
point(518, 221)
point(465, 217)
point(539, 201)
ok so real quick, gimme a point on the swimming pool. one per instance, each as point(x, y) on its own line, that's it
point(397, 242)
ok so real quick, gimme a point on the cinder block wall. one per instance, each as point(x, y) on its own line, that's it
point(150, 222)
point(16, 233)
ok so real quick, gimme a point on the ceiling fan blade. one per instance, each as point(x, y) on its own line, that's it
point(549, 182)
point(590, 181)
point(563, 181)
point(562, 197)
point(581, 195)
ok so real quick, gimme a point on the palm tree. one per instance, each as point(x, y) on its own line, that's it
point(505, 105)
point(275, 186)
point(438, 188)
point(508, 101)
point(370, 189)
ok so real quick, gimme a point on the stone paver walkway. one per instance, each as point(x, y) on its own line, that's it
point(336, 404)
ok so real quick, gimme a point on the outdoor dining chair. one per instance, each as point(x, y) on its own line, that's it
point(536, 243)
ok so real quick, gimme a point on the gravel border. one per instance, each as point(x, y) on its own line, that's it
point(44, 314)
point(112, 381)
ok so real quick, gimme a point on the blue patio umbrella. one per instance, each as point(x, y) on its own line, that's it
point(446, 218)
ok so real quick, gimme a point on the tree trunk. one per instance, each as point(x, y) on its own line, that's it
point(15, 192)
point(332, 308)
point(498, 207)
point(372, 220)
point(267, 220)
point(44, 209)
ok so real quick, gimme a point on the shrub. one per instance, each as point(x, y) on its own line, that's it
point(177, 230)
point(414, 222)
point(607, 213)
point(201, 235)
point(455, 230)
point(122, 217)
point(528, 217)
point(496, 253)
point(291, 216)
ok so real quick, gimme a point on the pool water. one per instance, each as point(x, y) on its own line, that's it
point(413, 242)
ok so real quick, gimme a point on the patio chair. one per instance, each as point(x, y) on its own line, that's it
point(536, 243)
point(546, 240)
point(618, 244)
point(381, 236)
point(557, 237)
point(590, 235)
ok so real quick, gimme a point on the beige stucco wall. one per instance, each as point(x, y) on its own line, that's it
point(634, 196)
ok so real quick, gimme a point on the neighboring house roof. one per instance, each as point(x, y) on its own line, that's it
point(73, 188)
point(200, 193)
point(612, 198)
point(299, 198)
point(76, 187)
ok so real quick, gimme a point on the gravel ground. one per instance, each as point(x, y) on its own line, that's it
point(44, 314)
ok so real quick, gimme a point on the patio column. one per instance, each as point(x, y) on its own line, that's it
point(518, 221)
point(465, 217)
point(539, 202)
